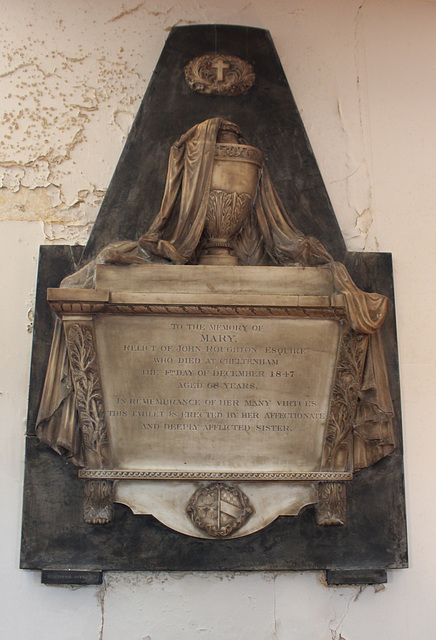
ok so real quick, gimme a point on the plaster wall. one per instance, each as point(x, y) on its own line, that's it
point(72, 75)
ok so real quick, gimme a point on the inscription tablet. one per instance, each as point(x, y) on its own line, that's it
point(213, 394)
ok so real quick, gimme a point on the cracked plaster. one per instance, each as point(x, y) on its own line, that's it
point(271, 605)
point(49, 124)
point(70, 97)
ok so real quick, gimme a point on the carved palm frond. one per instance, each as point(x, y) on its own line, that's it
point(345, 395)
point(89, 398)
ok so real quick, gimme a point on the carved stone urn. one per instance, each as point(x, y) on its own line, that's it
point(235, 178)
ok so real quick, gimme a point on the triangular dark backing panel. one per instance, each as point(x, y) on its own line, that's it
point(267, 115)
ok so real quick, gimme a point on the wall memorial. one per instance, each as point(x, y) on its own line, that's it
point(215, 372)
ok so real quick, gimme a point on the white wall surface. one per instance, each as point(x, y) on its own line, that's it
point(363, 73)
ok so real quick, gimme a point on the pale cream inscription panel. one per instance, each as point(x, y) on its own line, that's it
point(190, 394)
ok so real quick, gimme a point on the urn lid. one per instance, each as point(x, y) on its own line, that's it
point(238, 152)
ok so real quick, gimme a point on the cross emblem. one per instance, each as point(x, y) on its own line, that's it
point(220, 65)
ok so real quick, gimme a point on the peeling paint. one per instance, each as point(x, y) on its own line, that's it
point(124, 120)
point(378, 588)
point(101, 594)
point(179, 23)
point(361, 198)
point(33, 174)
point(30, 317)
point(126, 12)
point(336, 624)
point(274, 635)
point(52, 167)
point(62, 222)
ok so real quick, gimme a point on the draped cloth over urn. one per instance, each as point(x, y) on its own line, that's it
point(207, 165)
point(220, 207)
